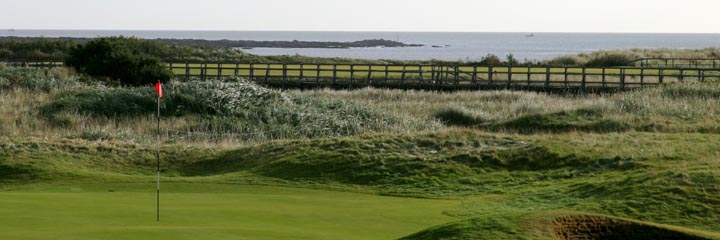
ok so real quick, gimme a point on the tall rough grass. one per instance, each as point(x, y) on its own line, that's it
point(620, 56)
point(679, 107)
point(239, 111)
point(235, 111)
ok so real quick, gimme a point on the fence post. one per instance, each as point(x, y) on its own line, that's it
point(622, 79)
point(284, 72)
point(702, 75)
point(529, 76)
point(457, 76)
point(432, 73)
point(317, 73)
point(267, 72)
point(187, 71)
point(420, 72)
point(642, 77)
point(547, 77)
point(604, 82)
point(584, 79)
point(220, 69)
point(490, 75)
point(334, 79)
point(302, 70)
point(682, 74)
point(662, 74)
point(566, 77)
point(369, 77)
point(204, 71)
point(352, 72)
point(402, 78)
point(474, 76)
point(237, 69)
point(252, 72)
point(509, 82)
point(386, 74)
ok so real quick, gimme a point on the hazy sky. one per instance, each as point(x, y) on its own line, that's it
point(693, 16)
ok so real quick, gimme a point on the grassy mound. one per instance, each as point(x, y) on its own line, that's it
point(474, 228)
point(557, 226)
point(588, 120)
point(459, 157)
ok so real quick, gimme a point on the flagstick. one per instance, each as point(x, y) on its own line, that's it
point(158, 159)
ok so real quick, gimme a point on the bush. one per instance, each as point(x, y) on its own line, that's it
point(491, 60)
point(565, 61)
point(130, 61)
point(609, 60)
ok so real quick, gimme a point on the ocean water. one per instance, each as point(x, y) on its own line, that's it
point(456, 46)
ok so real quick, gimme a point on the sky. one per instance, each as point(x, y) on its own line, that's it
point(651, 16)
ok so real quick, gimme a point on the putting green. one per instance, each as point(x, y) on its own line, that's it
point(211, 211)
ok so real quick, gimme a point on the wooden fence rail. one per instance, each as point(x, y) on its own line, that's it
point(710, 63)
point(442, 77)
point(435, 76)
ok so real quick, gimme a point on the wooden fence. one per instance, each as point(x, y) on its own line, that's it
point(441, 77)
point(695, 63)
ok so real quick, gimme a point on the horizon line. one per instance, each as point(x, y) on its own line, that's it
point(346, 31)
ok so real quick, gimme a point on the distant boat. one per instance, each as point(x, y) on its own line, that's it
point(11, 30)
point(530, 35)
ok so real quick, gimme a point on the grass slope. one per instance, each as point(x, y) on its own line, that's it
point(494, 180)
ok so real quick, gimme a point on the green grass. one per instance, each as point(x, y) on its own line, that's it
point(210, 211)
point(78, 160)
point(490, 182)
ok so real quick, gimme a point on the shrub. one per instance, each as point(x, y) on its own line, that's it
point(565, 61)
point(609, 60)
point(130, 61)
point(491, 60)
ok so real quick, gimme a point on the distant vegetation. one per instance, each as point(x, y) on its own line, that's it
point(129, 61)
point(181, 50)
point(284, 44)
point(226, 51)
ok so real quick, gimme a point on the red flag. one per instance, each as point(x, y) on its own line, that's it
point(158, 89)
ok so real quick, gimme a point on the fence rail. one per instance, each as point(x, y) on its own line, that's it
point(443, 77)
point(710, 63)
point(435, 76)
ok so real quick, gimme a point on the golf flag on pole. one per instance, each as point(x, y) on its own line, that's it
point(158, 89)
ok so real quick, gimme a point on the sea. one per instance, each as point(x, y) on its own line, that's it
point(467, 46)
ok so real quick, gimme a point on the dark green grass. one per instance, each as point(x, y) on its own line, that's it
point(661, 178)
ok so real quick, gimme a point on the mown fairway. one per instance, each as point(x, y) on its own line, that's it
point(208, 211)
